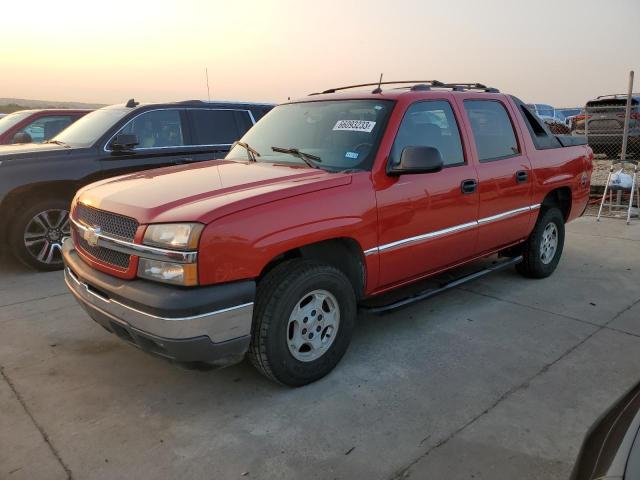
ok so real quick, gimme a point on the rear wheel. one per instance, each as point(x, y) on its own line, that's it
point(38, 232)
point(542, 251)
point(304, 316)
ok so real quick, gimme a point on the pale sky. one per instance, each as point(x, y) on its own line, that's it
point(561, 52)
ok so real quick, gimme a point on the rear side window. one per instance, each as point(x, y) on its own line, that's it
point(492, 130)
point(430, 124)
point(219, 127)
point(540, 134)
point(259, 112)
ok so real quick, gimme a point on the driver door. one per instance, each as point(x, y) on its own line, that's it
point(427, 221)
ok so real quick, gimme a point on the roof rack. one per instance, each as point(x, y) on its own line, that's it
point(375, 84)
point(616, 95)
point(460, 87)
point(416, 85)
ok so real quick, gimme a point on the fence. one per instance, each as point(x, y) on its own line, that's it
point(603, 123)
point(611, 125)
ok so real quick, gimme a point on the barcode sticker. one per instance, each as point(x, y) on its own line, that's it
point(354, 126)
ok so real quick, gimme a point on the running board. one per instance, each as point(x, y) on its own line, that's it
point(424, 294)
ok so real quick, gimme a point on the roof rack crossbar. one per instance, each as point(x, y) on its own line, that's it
point(471, 86)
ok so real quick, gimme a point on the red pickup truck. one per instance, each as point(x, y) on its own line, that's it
point(326, 204)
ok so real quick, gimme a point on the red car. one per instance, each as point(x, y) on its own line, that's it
point(37, 126)
point(325, 206)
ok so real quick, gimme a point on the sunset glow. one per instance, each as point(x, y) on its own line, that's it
point(546, 51)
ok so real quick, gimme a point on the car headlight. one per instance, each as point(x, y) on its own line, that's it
point(185, 274)
point(172, 236)
point(177, 236)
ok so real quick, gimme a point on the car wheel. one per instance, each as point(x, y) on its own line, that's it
point(303, 321)
point(38, 232)
point(542, 251)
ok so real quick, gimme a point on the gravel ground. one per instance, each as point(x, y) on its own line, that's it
point(600, 171)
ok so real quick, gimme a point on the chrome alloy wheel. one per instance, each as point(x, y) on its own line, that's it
point(44, 234)
point(549, 243)
point(313, 325)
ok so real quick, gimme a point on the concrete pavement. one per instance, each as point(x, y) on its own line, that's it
point(497, 379)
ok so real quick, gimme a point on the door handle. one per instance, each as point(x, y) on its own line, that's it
point(468, 186)
point(184, 160)
point(521, 176)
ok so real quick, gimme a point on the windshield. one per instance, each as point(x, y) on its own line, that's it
point(10, 120)
point(343, 134)
point(91, 127)
point(544, 110)
point(569, 112)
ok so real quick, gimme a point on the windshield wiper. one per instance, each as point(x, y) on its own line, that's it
point(251, 152)
point(58, 142)
point(307, 158)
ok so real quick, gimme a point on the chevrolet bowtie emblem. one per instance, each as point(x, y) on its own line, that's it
point(91, 236)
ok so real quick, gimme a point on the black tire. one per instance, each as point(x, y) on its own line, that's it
point(22, 224)
point(279, 292)
point(532, 265)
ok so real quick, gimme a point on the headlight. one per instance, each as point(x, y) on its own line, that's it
point(177, 236)
point(185, 274)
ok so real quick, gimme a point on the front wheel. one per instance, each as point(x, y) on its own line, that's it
point(303, 320)
point(37, 234)
point(543, 249)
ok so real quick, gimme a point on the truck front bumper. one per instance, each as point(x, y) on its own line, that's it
point(209, 324)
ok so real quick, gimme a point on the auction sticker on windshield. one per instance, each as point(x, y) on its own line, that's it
point(354, 126)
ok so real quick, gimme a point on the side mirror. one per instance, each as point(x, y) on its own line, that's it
point(124, 142)
point(418, 160)
point(22, 137)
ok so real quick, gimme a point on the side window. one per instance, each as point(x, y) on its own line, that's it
point(430, 124)
point(492, 129)
point(540, 134)
point(156, 128)
point(219, 127)
point(45, 128)
point(259, 112)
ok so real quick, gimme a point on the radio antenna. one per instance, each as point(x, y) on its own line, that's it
point(379, 87)
point(206, 74)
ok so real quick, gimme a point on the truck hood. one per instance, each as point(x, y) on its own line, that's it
point(204, 191)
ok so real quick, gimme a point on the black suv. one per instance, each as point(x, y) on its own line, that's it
point(38, 181)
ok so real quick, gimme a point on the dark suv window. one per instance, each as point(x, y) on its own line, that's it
point(156, 128)
point(492, 129)
point(219, 127)
point(430, 124)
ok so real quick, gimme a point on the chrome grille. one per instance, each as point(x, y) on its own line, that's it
point(105, 255)
point(109, 223)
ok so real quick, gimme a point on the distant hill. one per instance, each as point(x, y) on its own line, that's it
point(8, 105)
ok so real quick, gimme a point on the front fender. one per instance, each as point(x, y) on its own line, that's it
point(240, 245)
